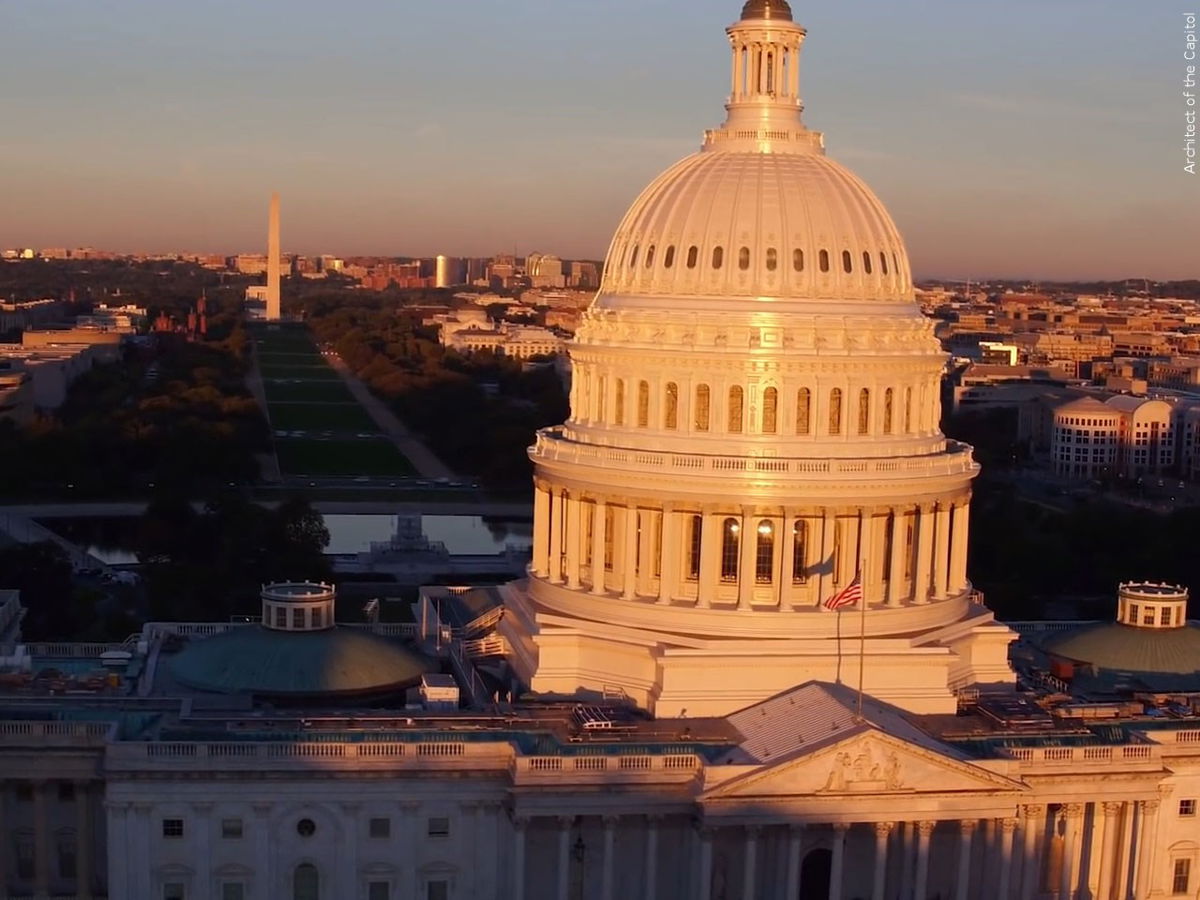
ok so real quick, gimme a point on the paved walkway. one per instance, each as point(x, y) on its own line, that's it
point(268, 463)
point(418, 454)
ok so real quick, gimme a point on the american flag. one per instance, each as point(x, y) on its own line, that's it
point(847, 596)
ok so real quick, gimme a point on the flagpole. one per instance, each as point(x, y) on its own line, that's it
point(862, 632)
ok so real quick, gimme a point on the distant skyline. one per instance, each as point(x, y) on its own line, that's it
point(1020, 139)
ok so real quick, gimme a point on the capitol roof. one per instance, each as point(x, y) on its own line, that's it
point(1117, 647)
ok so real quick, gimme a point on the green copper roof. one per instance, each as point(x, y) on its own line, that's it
point(1123, 648)
point(256, 660)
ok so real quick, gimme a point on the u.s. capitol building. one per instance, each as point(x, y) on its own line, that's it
point(665, 708)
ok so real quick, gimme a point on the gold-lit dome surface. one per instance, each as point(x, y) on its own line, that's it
point(767, 9)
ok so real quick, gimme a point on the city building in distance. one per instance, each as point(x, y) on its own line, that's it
point(747, 661)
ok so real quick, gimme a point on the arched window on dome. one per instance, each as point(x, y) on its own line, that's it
point(669, 259)
point(835, 411)
point(895, 263)
point(888, 411)
point(695, 533)
point(671, 410)
point(737, 398)
point(867, 261)
point(847, 262)
point(633, 257)
point(643, 414)
point(799, 552)
point(798, 260)
point(823, 260)
point(770, 413)
point(804, 411)
point(693, 256)
point(718, 257)
point(703, 407)
point(764, 553)
point(744, 258)
point(602, 399)
point(306, 882)
point(772, 259)
point(908, 410)
point(620, 412)
point(730, 533)
point(883, 261)
point(864, 411)
point(650, 256)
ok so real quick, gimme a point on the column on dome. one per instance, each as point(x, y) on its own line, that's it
point(869, 548)
point(629, 561)
point(556, 535)
point(784, 554)
point(647, 560)
point(710, 548)
point(925, 552)
point(599, 542)
point(671, 551)
point(574, 514)
point(896, 578)
point(827, 563)
point(541, 531)
point(958, 553)
point(941, 557)
point(852, 557)
point(747, 548)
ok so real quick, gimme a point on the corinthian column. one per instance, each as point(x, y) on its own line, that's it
point(895, 595)
point(962, 884)
point(574, 512)
point(925, 553)
point(670, 551)
point(556, 534)
point(958, 550)
point(541, 532)
point(599, 542)
point(941, 572)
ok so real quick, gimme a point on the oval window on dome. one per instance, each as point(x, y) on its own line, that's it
point(669, 259)
point(744, 258)
point(867, 261)
point(847, 261)
point(650, 256)
point(798, 260)
point(895, 264)
point(718, 257)
point(772, 259)
point(693, 256)
point(633, 256)
point(883, 261)
point(824, 259)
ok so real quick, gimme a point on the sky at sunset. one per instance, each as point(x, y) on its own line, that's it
point(1016, 138)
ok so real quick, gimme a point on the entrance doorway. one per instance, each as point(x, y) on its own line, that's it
point(814, 875)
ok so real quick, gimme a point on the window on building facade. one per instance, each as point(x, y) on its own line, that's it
point(718, 257)
point(306, 882)
point(887, 411)
point(280, 617)
point(643, 404)
point(764, 553)
point(694, 538)
point(438, 826)
point(317, 618)
point(602, 398)
point(823, 260)
point(729, 549)
point(437, 890)
point(864, 411)
point(1181, 876)
point(1148, 617)
point(379, 890)
point(174, 890)
point(1164, 616)
point(772, 259)
point(66, 791)
point(650, 256)
point(693, 257)
point(1187, 807)
point(65, 847)
point(770, 414)
point(847, 262)
point(799, 563)
point(803, 411)
point(867, 261)
point(379, 827)
point(736, 398)
point(297, 618)
point(231, 829)
point(172, 828)
point(633, 256)
point(908, 411)
point(669, 259)
point(883, 262)
point(671, 412)
point(703, 402)
point(620, 411)
point(233, 890)
point(798, 260)
point(835, 411)
point(744, 258)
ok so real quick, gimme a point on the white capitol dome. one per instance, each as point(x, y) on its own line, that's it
point(754, 428)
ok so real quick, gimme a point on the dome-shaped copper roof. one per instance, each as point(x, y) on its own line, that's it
point(767, 9)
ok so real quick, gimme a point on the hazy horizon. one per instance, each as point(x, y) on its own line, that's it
point(1014, 141)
